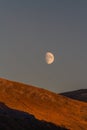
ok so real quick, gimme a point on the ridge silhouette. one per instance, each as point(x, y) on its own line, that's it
point(11, 119)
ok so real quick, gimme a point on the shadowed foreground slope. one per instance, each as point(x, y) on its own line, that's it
point(44, 105)
point(11, 119)
point(80, 95)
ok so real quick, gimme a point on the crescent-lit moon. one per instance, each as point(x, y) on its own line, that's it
point(49, 57)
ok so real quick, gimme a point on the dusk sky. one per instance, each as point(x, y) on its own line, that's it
point(30, 28)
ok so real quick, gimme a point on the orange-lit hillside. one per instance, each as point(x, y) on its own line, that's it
point(44, 105)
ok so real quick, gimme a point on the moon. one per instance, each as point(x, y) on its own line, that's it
point(49, 57)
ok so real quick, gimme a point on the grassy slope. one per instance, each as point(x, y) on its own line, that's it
point(44, 105)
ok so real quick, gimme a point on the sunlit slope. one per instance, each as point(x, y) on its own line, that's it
point(44, 105)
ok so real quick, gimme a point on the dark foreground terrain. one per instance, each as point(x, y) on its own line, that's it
point(11, 119)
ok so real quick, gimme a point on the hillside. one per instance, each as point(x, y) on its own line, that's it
point(44, 105)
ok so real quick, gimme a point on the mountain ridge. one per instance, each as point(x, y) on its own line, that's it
point(80, 95)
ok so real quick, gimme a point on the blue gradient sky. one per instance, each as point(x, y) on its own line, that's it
point(30, 28)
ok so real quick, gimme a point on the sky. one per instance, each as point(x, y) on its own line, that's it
point(30, 28)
